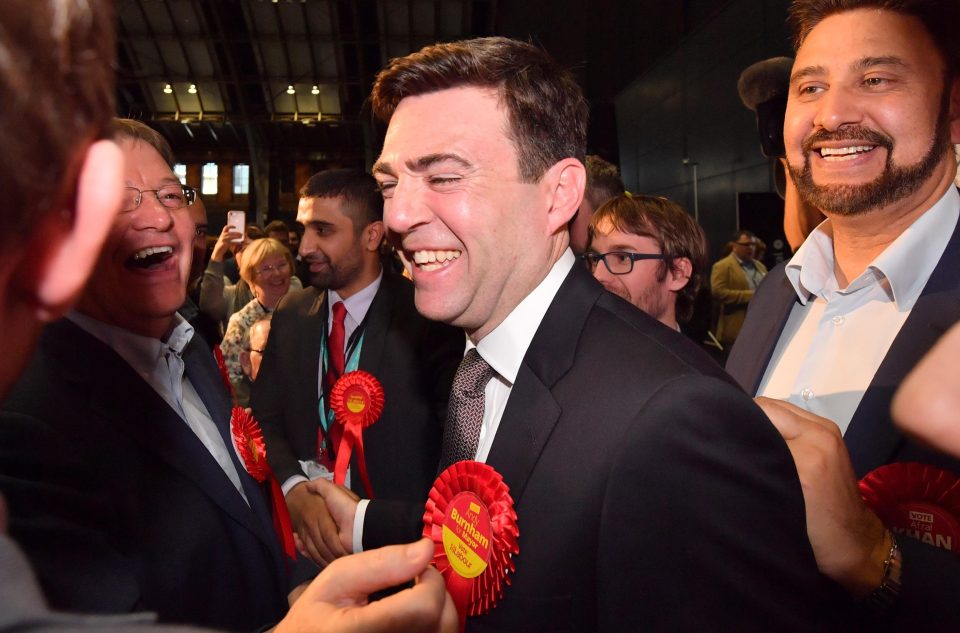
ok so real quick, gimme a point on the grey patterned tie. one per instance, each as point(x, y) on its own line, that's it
point(461, 435)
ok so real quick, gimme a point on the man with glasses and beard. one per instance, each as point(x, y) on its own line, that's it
point(873, 110)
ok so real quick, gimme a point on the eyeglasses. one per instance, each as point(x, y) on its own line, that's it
point(282, 267)
point(745, 243)
point(618, 262)
point(259, 351)
point(170, 196)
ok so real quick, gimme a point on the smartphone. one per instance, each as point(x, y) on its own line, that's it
point(237, 221)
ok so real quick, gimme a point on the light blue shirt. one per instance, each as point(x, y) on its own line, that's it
point(160, 364)
point(835, 338)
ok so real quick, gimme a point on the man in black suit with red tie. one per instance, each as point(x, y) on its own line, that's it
point(651, 493)
point(357, 314)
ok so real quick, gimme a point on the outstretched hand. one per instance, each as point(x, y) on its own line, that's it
point(337, 600)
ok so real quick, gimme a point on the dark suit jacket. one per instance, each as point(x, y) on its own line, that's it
point(118, 504)
point(930, 576)
point(651, 493)
point(413, 358)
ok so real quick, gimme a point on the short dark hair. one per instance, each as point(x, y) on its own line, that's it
point(57, 82)
point(358, 188)
point(276, 226)
point(546, 109)
point(941, 18)
point(675, 231)
point(603, 181)
point(140, 131)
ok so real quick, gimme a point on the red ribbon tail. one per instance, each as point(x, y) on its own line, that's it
point(459, 588)
point(343, 456)
point(362, 467)
point(281, 518)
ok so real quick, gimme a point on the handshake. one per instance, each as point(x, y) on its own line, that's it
point(322, 514)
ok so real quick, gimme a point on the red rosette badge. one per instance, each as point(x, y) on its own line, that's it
point(356, 401)
point(248, 439)
point(471, 520)
point(916, 500)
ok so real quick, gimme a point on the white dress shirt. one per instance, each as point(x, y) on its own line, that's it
point(503, 349)
point(357, 305)
point(160, 364)
point(835, 338)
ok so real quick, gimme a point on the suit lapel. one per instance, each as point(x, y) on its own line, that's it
point(311, 330)
point(532, 412)
point(376, 326)
point(205, 378)
point(766, 318)
point(117, 393)
point(871, 438)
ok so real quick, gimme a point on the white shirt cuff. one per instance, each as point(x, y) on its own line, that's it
point(290, 483)
point(358, 525)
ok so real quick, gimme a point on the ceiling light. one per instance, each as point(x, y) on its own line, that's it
point(290, 90)
point(315, 90)
point(168, 89)
point(192, 89)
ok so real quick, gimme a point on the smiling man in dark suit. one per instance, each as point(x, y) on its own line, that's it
point(872, 111)
point(379, 331)
point(650, 492)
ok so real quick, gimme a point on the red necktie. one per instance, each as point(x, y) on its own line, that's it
point(334, 371)
point(336, 342)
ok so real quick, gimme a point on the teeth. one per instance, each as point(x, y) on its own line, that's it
point(432, 260)
point(844, 153)
point(152, 250)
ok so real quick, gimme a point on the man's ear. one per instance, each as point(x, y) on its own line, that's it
point(373, 236)
point(679, 273)
point(65, 246)
point(565, 183)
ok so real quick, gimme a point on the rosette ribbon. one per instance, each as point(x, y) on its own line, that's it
point(249, 442)
point(470, 518)
point(224, 374)
point(916, 500)
point(356, 401)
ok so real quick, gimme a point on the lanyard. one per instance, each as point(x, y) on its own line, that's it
point(352, 355)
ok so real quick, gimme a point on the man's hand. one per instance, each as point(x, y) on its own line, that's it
point(848, 539)
point(314, 527)
point(336, 601)
point(342, 505)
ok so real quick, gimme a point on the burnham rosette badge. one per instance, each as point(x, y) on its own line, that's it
point(472, 522)
point(916, 500)
point(248, 438)
point(356, 401)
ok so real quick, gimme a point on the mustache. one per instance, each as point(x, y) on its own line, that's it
point(848, 133)
point(316, 258)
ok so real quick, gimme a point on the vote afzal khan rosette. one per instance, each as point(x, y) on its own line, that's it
point(916, 500)
point(471, 520)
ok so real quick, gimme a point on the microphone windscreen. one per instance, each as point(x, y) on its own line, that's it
point(764, 81)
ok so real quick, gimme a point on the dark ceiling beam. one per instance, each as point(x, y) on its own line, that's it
point(125, 77)
point(183, 51)
point(257, 47)
point(310, 40)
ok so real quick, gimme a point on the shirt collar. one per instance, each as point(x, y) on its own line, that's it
point(505, 347)
point(903, 267)
point(140, 352)
point(357, 304)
